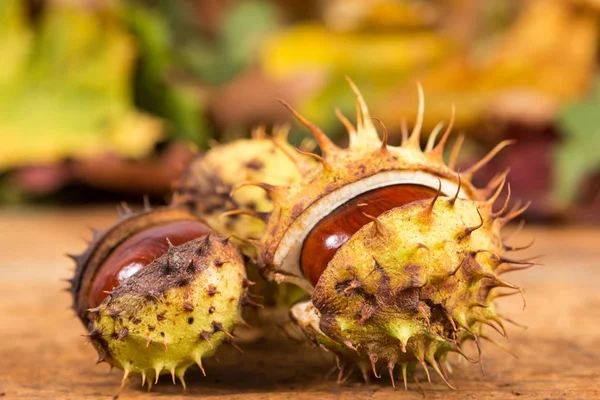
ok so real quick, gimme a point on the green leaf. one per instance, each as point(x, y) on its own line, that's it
point(67, 93)
point(579, 155)
point(153, 92)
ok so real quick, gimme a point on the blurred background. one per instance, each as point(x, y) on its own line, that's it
point(108, 100)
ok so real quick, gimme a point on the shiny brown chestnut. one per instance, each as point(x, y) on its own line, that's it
point(332, 232)
point(139, 250)
point(126, 247)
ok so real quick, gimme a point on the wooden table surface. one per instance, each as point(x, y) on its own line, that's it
point(42, 353)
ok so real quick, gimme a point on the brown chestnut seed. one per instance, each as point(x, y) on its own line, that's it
point(138, 251)
point(108, 254)
point(331, 233)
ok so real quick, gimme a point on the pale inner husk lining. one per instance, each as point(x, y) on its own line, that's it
point(288, 252)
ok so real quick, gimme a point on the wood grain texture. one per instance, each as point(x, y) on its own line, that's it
point(44, 356)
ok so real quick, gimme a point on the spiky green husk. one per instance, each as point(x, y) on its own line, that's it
point(415, 283)
point(174, 312)
point(213, 188)
point(210, 186)
point(104, 242)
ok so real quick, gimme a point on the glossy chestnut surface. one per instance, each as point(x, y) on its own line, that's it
point(334, 230)
point(138, 251)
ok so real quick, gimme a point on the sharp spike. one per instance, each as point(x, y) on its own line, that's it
point(438, 150)
point(146, 201)
point(373, 358)
point(206, 337)
point(302, 167)
point(415, 137)
point(512, 248)
point(505, 206)
point(453, 200)
point(125, 376)
point(242, 211)
point(436, 367)
point(198, 360)
point(259, 132)
point(377, 225)
point(488, 323)
point(275, 192)
point(364, 370)
point(514, 213)
point(510, 321)
point(96, 234)
point(455, 151)
point(218, 327)
point(349, 127)
point(157, 370)
point(123, 210)
point(75, 258)
point(449, 316)
point(432, 136)
point(281, 131)
point(235, 346)
point(173, 375)
point(500, 295)
point(448, 366)
point(500, 324)
point(470, 229)
point(248, 301)
point(423, 246)
point(341, 378)
point(443, 369)
point(501, 346)
point(250, 241)
point(337, 366)
point(503, 283)
point(391, 366)
point(366, 133)
point(419, 386)
point(404, 371)
point(325, 144)
point(511, 268)
point(495, 196)
point(349, 345)
point(476, 340)
point(143, 378)
point(429, 208)
point(526, 261)
point(458, 350)
point(362, 111)
point(424, 364)
point(494, 182)
point(150, 383)
point(384, 138)
point(404, 131)
point(469, 173)
point(181, 376)
point(317, 157)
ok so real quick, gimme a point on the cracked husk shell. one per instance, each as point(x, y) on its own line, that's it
point(209, 183)
point(174, 312)
point(414, 282)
